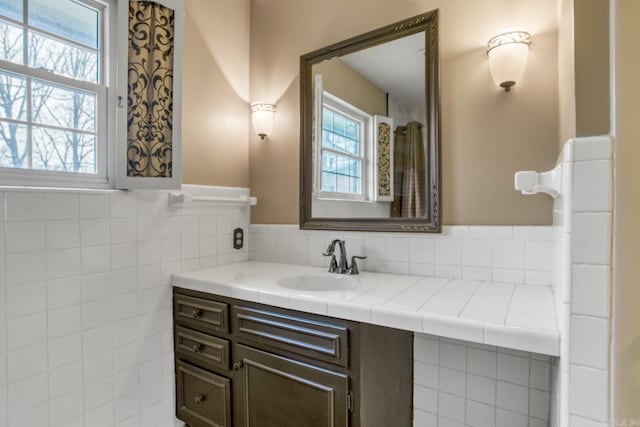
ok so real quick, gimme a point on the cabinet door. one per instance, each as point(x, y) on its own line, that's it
point(281, 392)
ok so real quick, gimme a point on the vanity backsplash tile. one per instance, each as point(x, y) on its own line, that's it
point(512, 254)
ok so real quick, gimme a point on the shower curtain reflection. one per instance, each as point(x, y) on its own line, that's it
point(410, 160)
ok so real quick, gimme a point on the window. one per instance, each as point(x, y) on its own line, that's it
point(53, 92)
point(343, 159)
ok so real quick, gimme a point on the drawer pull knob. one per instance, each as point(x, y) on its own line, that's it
point(196, 313)
point(200, 398)
point(197, 348)
point(237, 366)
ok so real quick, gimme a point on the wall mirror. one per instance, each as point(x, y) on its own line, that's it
point(370, 157)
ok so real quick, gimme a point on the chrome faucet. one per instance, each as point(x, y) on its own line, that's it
point(341, 267)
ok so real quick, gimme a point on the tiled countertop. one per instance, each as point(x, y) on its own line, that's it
point(502, 314)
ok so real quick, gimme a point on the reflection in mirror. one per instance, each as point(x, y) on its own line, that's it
point(370, 116)
point(370, 131)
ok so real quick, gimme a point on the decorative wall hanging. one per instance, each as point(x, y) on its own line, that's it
point(150, 90)
point(383, 149)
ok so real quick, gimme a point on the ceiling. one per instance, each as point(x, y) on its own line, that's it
point(397, 67)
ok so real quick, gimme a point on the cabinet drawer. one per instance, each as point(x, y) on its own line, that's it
point(203, 398)
point(200, 313)
point(208, 350)
point(315, 339)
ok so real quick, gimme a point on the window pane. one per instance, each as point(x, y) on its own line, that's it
point(352, 130)
point(12, 96)
point(65, 18)
point(327, 140)
point(355, 186)
point(340, 143)
point(11, 43)
point(329, 182)
point(12, 9)
point(327, 119)
point(340, 132)
point(352, 147)
point(348, 167)
point(58, 150)
point(339, 124)
point(13, 145)
point(62, 58)
point(340, 174)
point(57, 106)
point(344, 184)
point(328, 162)
point(47, 126)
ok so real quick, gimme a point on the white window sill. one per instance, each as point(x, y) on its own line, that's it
point(337, 199)
point(20, 188)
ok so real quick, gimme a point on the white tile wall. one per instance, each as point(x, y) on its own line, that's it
point(473, 385)
point(511, 254)
point(85, 306)
point(581, 283)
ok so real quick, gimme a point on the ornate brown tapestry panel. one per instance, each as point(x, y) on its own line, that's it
point(384, 159)
point(150, 95)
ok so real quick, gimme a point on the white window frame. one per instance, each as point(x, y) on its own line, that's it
point(105, 117)
point(366, 122)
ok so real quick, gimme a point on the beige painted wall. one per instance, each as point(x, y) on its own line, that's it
point(215, 115)
point(626, 312)
point(487, 134)
point(591, 53)
point(341, 80)
point(566, 72)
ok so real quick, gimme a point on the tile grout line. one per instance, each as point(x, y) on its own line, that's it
point(46, 277)
point(5, 316)
point(496, 389)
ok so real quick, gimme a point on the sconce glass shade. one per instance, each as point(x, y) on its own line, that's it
point(508, 54)
point(262, 116)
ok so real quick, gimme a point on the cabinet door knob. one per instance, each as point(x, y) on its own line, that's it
point(200, 398)
point(196, 313)
point(237, 366)
point(197, 348)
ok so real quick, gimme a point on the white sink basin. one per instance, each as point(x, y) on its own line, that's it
point(320, 282)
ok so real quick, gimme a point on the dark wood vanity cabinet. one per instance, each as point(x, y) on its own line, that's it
point(241, 364)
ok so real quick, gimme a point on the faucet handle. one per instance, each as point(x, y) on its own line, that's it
point(354, 267)
point(329, 252)
point(330, 249)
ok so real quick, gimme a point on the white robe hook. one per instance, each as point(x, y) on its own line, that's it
point(531, 182)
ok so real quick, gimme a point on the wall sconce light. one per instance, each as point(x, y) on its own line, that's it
point(262, 116)
point(508, 53)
